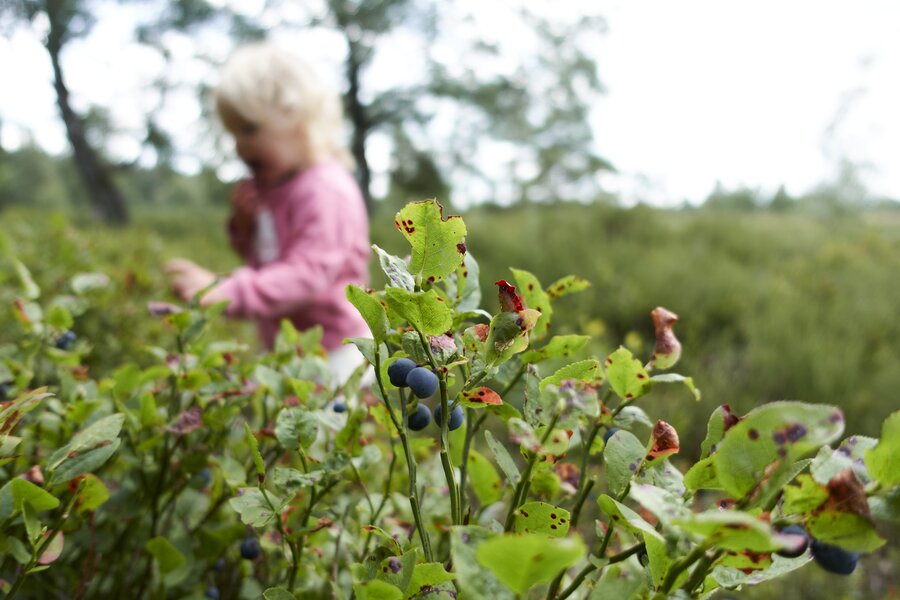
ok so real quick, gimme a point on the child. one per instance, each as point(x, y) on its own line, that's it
point(300, 222)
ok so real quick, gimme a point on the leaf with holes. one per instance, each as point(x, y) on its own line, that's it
point(438, 244)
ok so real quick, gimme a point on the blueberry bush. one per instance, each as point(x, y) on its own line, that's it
point(202, 472)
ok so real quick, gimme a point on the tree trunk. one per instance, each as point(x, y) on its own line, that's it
point(106, 198)
point(357, 113)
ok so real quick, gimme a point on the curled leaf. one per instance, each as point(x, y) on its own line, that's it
point(665, 440)
point(667, 350)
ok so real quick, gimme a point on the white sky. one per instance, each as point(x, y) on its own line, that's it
point(744, 93)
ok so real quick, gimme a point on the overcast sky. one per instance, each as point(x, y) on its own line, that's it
point(744, 93)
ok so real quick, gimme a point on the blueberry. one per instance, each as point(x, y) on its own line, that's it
point(205, 476)
point(799, 544)
point(339, 406)
point(609, 433)
point(420, 419)
point(250, 548)
point(212, 592)
point(4, 392)
point(834, 559)
point(65, 341)
point(398, 371)
point(423, 382)
point(219, 564)
point(456, 417)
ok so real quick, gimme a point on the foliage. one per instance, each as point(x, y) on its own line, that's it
point(149, 479)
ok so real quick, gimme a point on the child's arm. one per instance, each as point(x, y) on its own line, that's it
point(325, 236)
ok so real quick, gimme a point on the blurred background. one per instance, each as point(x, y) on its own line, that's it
point(738, 164)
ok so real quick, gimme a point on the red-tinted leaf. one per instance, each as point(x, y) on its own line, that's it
point(484, 395)
point(846, 494)
point(665, 440)
point(510, 300)
point(188, 421)
point(667, 350)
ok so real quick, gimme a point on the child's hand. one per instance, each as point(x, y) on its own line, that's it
point(187, 277)
point(244, 202)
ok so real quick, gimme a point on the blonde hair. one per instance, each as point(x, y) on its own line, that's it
point(268, 86)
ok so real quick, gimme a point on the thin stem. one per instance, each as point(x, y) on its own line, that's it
point(464, 467)
point(677, 568)
point(42, 545)
point(521, 490)
point(591, 567)
point(698, 576)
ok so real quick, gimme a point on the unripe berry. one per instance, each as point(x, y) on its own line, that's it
point(398, 370)
point(834, 559)
point(423, 382)
point(800, 539)
point(456, 417)
point(609, 433)
point(250, 548)
point(420, 419)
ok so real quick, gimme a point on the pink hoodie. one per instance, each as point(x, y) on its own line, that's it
point(311, 240)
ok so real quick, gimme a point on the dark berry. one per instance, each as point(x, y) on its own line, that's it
point(219, 564)
point(609, 433)
point(420, 419)
point(250, 548)
point(423, 382)
point(398, 371)
point(798, 544)
point(212, 592)
point(65, 341)
point(4, 392)
point(205, 476)
point(834, 559)
point(456, 417)
point(339, 406)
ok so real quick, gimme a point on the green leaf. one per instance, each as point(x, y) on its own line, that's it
point(82, 283)
point(296, 427)
point(30, 290)
point(425, 311)
point(540, 517)
point(427, 574)
point(732, 530)
point(618, 583)
point(662, 503)
point(654, 542)
point(847, 530)
point(730, 577)
point(805, 497)
point(464, 289)
point(586, 371)
point(676, 378)
point(84, 462)
point(535, 297)
point(167, 556)
point(778, 431)
point(25, 492)
point(623, 456)
point(371, 310)
point(438, 245)
point(506, 462)
point(849, 455)
point(396, 270)
point(59, 317)
point(523, 560)
point(631, 415)
point(254, 451)
point(474, 581)
point(715, 429)
point(93, 494)
point(253, 508)
point(485, 481)
point(278, 593)
point(569, 284)
point(883, 461)
point(702, 476)
point(626, 375)
point(377, 590)
point(559, 346)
